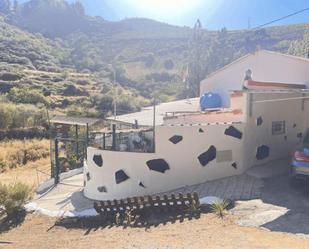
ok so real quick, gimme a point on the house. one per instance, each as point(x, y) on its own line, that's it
point(263, 122)
point(266, 66)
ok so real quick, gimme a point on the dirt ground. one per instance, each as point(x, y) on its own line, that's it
point(208, 231)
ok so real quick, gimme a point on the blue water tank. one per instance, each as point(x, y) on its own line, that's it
point(306, 151)
point(210, 100)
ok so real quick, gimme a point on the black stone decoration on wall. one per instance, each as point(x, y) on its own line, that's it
point(176, 139)
point(234, 165)
point(201, 130)
point(300, 135)
point(141, 185)
point(102, 189)
point(88, 176)
point(262, 152)
point(159, 165)
point(259, 121)
point(121, 176)
point(98, 160)
point(233, 132)
point(208, 156)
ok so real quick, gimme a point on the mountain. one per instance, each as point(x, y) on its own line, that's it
point(55, 49)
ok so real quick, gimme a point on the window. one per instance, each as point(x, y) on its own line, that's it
point(278, 127)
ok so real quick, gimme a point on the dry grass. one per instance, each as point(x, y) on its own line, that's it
point(15, 153)
point(24, 161)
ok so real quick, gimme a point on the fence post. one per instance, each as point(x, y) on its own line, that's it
point(57, 167)
point(87, 138)
point(104, 141)
point(114, 137)
point(76, 136)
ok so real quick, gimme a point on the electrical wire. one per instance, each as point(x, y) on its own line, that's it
point(282, 18)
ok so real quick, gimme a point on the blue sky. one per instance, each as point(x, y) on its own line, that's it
point(214, 14)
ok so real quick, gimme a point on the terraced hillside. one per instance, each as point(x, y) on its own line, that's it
point(70, 67)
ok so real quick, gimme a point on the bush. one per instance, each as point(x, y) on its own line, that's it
point(72, 90)
point(5, 87)
point(10, 77)
point(14, 196)
point(21, 116)
point(26, 96)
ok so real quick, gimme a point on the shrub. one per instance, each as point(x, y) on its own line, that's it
point(72, 90)
point(82, 82)
point(14, 196)
point(20, 116)
point(219, 207)
point(10, 76)
point(5, 87)
point(26, 96)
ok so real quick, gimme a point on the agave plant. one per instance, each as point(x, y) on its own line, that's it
point(219, 207)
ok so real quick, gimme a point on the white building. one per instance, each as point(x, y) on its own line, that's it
point(266, 66)
point(261, 123)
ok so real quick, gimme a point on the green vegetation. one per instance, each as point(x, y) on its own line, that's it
point(219, 208)
point(26, 96)
point(14, 196)
point(21, 116)
point(67, 61)
point(301, 47)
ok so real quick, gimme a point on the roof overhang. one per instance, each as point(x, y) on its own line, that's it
point(81, 121)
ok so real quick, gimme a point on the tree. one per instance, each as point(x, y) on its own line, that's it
point(194, 67)
point(78, 8)
point(300, 48)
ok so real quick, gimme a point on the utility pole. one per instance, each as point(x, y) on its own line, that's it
point(115, 93)
point(154, 123)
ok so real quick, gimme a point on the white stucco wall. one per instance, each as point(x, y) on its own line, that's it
point(290, 111)
point(265, 65)
point(185, 168)
point(182, 158)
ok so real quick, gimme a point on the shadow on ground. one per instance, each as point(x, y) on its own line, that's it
point(144, 219)
point(14, 220)
point(294, 195)
point(77, 200)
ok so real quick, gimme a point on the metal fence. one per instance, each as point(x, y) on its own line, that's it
point(126, 141)
point(66, 154)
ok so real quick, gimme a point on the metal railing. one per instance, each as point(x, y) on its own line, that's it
point(124, 141)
